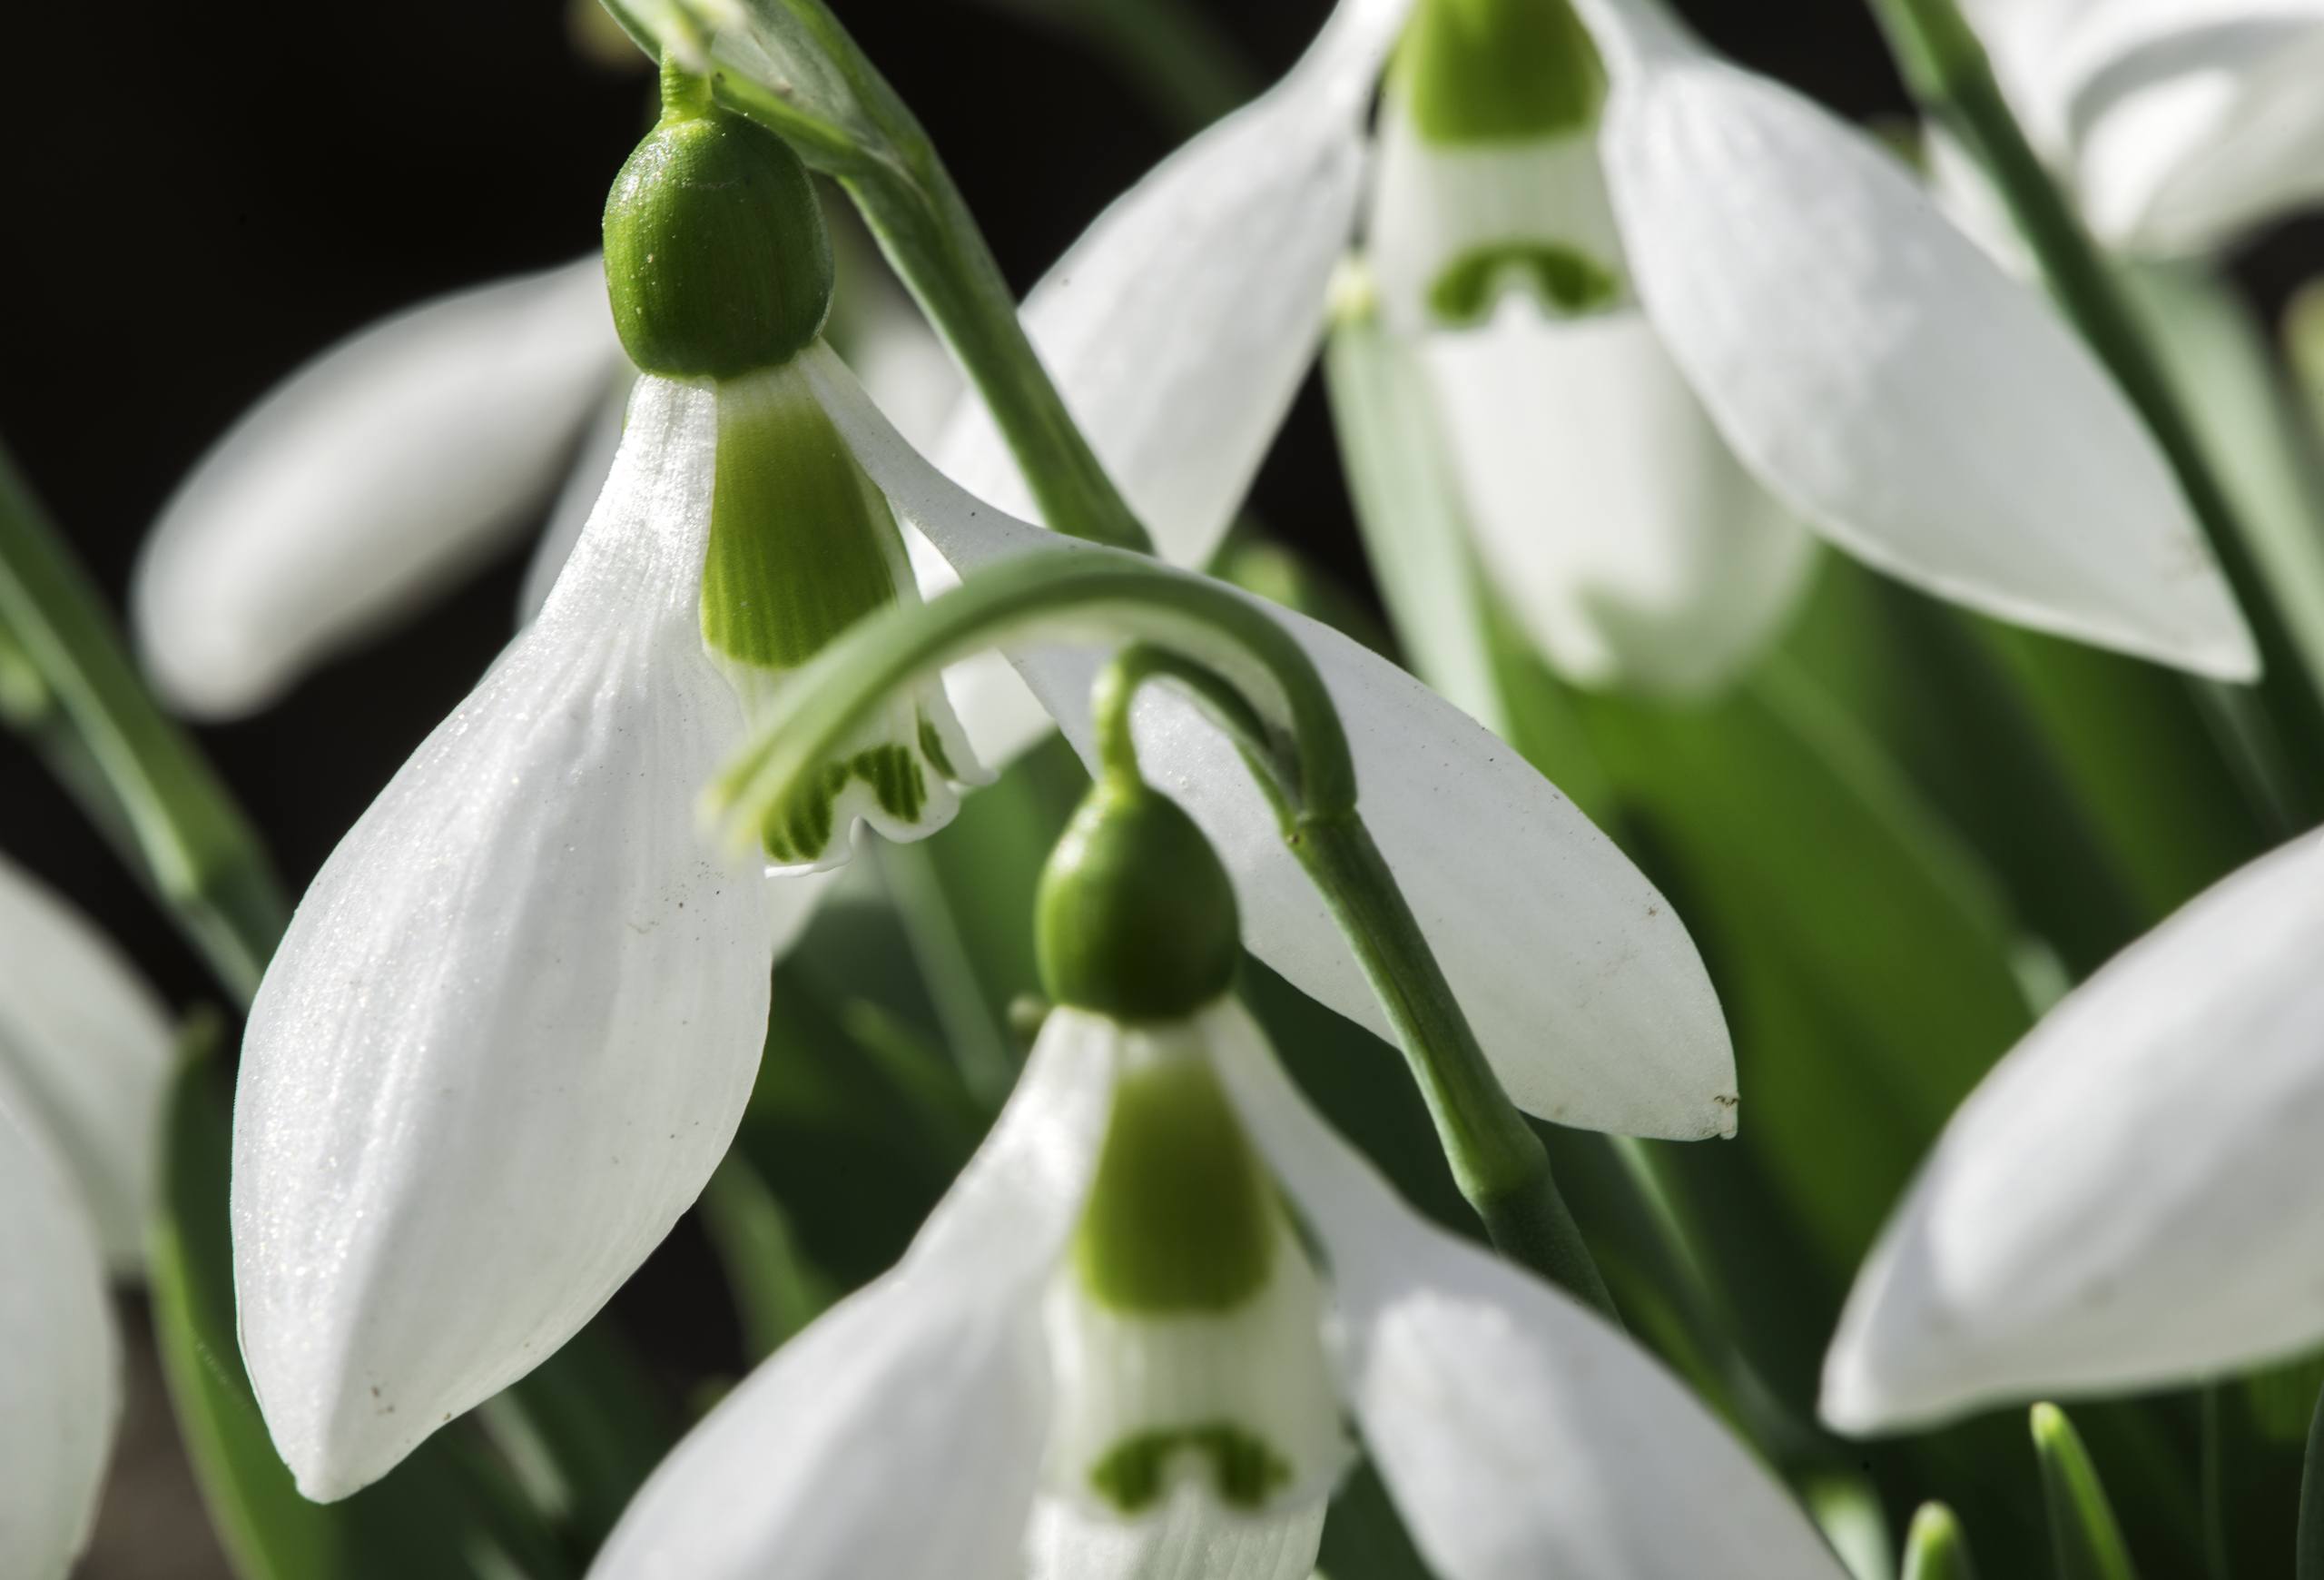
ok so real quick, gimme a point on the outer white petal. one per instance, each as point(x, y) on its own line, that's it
point(516, 1018)
point(1580, 982)
point(901, 1436)
point(577, 501)
point(1616, 522)
point(2181, 124)
point(1881, 376)
point(375, 474)
point(1520, 1436)
point(85, 1056)
point(2131, 1197)
point(60, 1384)
point(1193, 1539)
point(1180, 325)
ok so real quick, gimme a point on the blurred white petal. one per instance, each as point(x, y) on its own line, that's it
point(1616, 524)
point(901, 1435)
point(1581, 984)
point(2181, 125)
point(374, 475)
point(86, 1051)
point(60, 1383)
point(1194, 1538)
point(516, 1017)
point(1519, 1434)
point(1181, 324)
point(1881, 376)
point(2131, 1199)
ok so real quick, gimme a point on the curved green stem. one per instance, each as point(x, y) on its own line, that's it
point(78, 697)
point(1261, 686)
point(2275, 736)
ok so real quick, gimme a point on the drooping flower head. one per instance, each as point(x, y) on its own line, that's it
point(1134, 1337)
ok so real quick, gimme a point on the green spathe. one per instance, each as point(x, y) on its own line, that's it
point(716, 253)
point(1180, 1219)
point(1136, 917)
point(1499, 70)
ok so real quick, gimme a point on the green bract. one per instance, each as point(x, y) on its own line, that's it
point(1500, 71)
point(1136, 918)
point(715, 252)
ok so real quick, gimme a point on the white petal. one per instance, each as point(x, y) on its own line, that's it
point(516, 1017)
point(1617, 526)
point(2181, 123)
point(1520, 1436)
point(1180, 325)
point(577, 501)
point(1193, 1539)
point(1881, 376)
point(374, 475)
point(1583, 987)
point(60, 1384)
point(901, 1435)
point(84, 1057)
point(2131, 1197)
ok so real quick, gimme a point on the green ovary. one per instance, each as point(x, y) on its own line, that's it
point(1567, 280)
point(1243, 1467)
point(1499, 70)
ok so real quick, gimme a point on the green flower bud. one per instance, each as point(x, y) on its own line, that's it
point(1136, 918)
point(1500, 71)
point(715, 252)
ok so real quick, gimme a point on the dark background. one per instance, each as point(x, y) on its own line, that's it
point(200, 197)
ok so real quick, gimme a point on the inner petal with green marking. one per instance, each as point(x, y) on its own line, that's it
point(1186, 1328)
point(803, 545)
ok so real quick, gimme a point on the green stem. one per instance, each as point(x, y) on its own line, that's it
point(1193, 630)
point(2275, 734)
point(135, 770)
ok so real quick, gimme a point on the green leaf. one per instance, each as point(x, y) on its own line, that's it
point(446, 1512)
point(583, 1430)
point(2309, 1560)
point(1845, 1507)
point(2084, 1539)
point(1935, 1548)
point(777, 1291)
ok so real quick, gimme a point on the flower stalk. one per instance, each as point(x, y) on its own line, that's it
point(1298, 753)
point(137, 774)
point(2275, 736)
point(842, 118)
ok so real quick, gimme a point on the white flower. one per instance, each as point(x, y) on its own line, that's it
point(2131, 1197)
point(60, 1388)
point(515, 1021)
point(1027, 1389)
point(1882, 381)
point(400, 459)
point(2179, 125)
point(84, 1057)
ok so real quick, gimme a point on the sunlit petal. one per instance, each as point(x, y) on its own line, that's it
point(2131, 1197)
point(516, 1017)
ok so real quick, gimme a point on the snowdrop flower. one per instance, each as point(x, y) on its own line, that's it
point(516, 1018)
point(84, 1057)
point(398, 459)
point(2129, 1200)
point(1880, 378)
point(2179, 125)
point(1112, 1352)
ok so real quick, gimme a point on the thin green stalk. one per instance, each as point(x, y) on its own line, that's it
point(2276, 733)
point(791, 66)
point(135, 770)
point(1198, 632)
